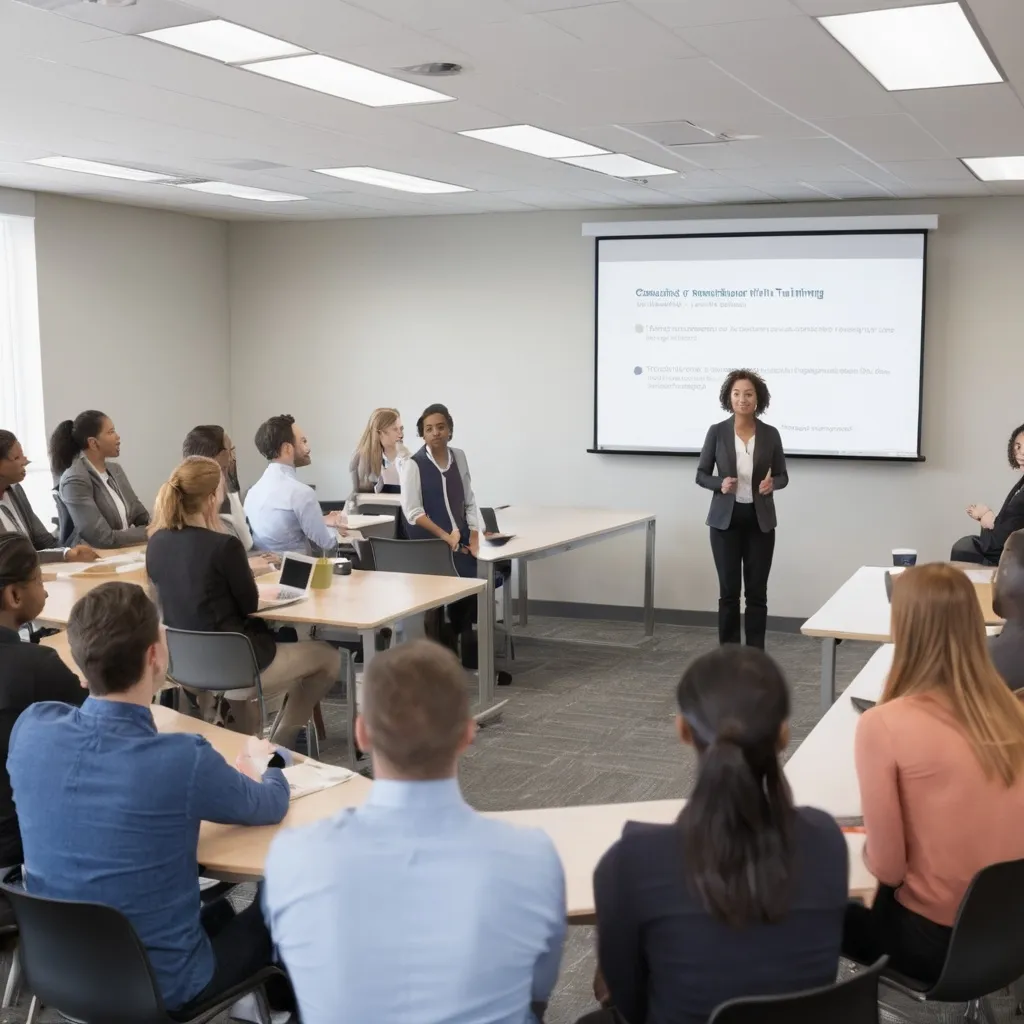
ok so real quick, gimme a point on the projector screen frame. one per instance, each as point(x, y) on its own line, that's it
point(923, 231)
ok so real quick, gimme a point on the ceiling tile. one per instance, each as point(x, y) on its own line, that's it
point(884, 136)
point(780, 175)
point(735, 194)
point(971, 120)
point(430, 14)
point(912, 171)
point(615, 33)
point(795, 62)
point(1002, 24)
point(539, 6)
point(521, 42)
point(147, 16)
point(684, 13)
point(940, 189)
point(791, 152)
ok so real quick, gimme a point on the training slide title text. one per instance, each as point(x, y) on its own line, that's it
point(730, 293)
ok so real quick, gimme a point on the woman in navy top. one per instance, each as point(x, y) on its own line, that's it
point(745, 894)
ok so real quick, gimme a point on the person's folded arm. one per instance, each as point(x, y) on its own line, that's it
point(780, 475)
point(619, 949)
point(1009, 520)
point(240, 579)
point(311, 519)
point(885, 848)
point(42, 540)
point(706, 463)
point(219, 792)
point(89, 523)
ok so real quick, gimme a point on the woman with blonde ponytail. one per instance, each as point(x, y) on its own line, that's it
point(940, 763)
point(204, 582)
point(374, 465)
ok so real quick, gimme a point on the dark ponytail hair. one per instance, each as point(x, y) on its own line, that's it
point(737, 824)
point(72, 437)
point(18, 560)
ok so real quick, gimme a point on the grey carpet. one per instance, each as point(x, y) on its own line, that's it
point(593, 724)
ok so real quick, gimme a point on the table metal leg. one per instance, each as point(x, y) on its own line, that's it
point(828, 672)
point(649, 582)
point(521, 596)
point(351, 691)
point(486, 709)
point(506, 615)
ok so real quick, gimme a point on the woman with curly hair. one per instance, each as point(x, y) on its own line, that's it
point(986, 547)
point(743, 463)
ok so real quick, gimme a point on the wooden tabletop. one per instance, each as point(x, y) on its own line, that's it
point(580, 834)
point(362, 600)
point(859, 609)
point(540, 529)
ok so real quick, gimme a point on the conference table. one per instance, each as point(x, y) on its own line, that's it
point(859, 610)
point(540, 532)
point(362, 602)
point(581, 835)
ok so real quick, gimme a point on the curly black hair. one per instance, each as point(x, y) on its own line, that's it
point(435, 410)
point(764, 396)
point(1009, 446)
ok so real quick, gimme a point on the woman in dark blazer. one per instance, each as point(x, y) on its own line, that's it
point(986, 547)
point(750, 464)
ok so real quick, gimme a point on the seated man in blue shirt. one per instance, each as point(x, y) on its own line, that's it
point(414, 906)
point(110, 809)
point(283, 512)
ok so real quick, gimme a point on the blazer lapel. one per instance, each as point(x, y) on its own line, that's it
point(727, 441)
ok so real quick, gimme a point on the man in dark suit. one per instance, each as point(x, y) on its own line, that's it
point(1007, 649)
point(16, 515)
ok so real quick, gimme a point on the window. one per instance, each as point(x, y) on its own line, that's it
point(21, 372)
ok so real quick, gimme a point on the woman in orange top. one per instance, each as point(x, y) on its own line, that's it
point(940, 762)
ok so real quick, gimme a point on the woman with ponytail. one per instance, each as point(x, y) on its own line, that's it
point(204, 582)
point(101, 505)
point(744, 895)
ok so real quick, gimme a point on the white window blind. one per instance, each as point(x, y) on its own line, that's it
point(21, 372)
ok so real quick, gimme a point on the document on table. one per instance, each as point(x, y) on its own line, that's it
point(312, 776)
point(109, 566)
point(980, 575)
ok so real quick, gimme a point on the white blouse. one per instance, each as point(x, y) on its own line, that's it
point(745, 470)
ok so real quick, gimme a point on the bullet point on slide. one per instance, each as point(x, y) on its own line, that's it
point(637, 370)
point(639, 328)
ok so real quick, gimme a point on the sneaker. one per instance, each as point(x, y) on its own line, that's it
point(247, 1010)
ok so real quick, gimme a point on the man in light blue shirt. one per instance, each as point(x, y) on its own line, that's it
point(283, 512)
point(414, 907)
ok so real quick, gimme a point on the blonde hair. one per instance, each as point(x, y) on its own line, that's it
point(941, 647)
point(187, 494)
point(370, 451)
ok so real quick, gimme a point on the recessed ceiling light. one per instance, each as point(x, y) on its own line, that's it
point(537, 141)
point(392, 179)
point(348, 81)
point(619, 165)
point(225, 188)
point(928, 47)
point(996, 168)
point(222, 40)
point(70, 163)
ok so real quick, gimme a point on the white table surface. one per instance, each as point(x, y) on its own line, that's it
point(361, 522)
point(379, 499)
point(859, 608)
point(821, 771)
point(537, 528)
point(582, 835)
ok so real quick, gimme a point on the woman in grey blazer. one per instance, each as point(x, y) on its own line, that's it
point(742, 461)
point(100, 503)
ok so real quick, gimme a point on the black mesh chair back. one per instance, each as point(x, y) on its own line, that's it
point(986, 952)
point(425, 557)
point(852, 1001)
point(84, 959)
point(65, 527)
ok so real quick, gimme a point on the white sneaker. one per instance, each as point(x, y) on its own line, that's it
point(247, 1010)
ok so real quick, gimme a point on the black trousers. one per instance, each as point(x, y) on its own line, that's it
point(968, 549)
point(743, 556)
point(241, 947)
point(916, 946)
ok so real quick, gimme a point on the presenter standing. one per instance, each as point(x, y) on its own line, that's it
point(750, 464)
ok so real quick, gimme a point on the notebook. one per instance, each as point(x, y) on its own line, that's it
point(313, 776)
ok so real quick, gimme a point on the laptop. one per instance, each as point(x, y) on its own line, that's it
point(296, 577)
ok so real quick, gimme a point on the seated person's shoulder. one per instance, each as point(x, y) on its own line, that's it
point(815, 827)
point(517, 842)
point(326, 838)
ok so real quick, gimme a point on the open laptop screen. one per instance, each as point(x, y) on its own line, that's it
point(296, 572)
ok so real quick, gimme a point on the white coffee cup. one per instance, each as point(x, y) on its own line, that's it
point(904, 557)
